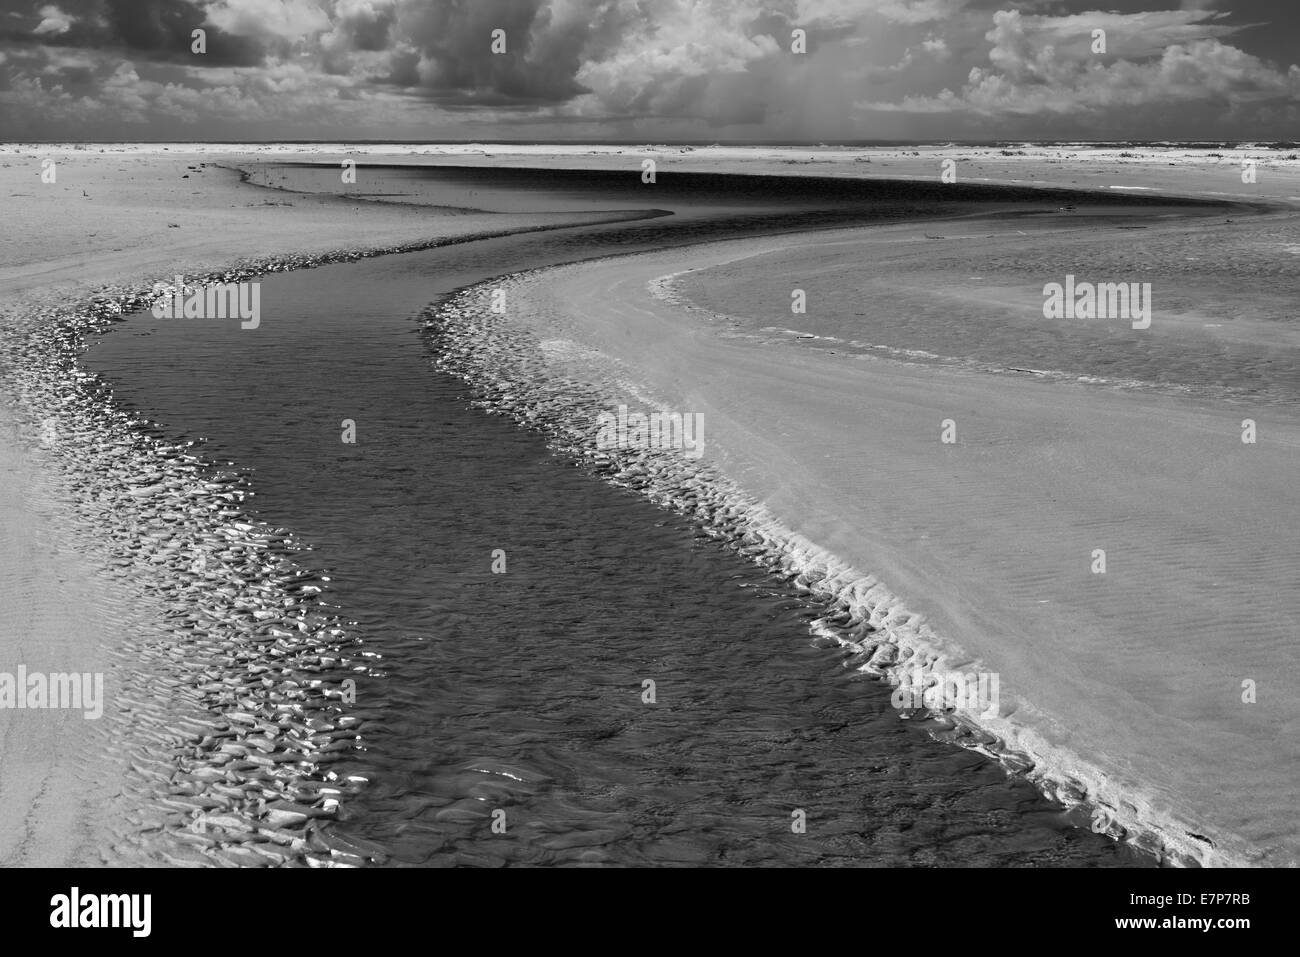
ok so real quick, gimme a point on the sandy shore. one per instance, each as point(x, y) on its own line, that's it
point(119, 220)
point(1215, 172)
point(1127, 687)
point(130, 215)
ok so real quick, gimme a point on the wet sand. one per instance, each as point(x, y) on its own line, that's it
point(1124, 688)
point(111, 223)
point(131, 215)
point(1214, 171)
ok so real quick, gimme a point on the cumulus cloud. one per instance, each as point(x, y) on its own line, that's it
point(1041, 64)
point(53, 20)
point(937, 47)
point(154, 30)
point(660, 66)
point(286, 19)
point(699, 68)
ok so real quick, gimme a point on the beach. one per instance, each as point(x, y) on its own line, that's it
point(111, 223)
point(1123, 689)
point(1117, 684)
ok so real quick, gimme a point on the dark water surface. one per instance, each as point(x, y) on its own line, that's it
point(522, 692)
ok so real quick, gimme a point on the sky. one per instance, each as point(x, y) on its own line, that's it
point(649, 70)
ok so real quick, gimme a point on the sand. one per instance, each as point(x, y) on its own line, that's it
point(119, 219)
point(1125, 686)
point(806, 444)
point(1215, 171)
point(49, 592)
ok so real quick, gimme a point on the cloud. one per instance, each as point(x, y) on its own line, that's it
point(627, 68)
point(1046, 65)
point(937, 47)
point(285, 19)
point(856, 11)
point(53, 20)
point(660, 65)
point(154, 30)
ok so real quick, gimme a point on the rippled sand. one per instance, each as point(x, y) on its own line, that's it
point(224, 742)
point(1126, 688)
point(125, 556)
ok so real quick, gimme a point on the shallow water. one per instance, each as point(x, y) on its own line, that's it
point(1220, 323)
point(522, 692)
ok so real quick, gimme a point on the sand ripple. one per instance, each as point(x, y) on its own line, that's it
point(234, 719)
point(527, 381)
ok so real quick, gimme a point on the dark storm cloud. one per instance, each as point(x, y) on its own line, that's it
point(454, 42)
point(368, 29)
point(158, 30)
point(871, 67)
point(442, 51)
point(163, 28)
